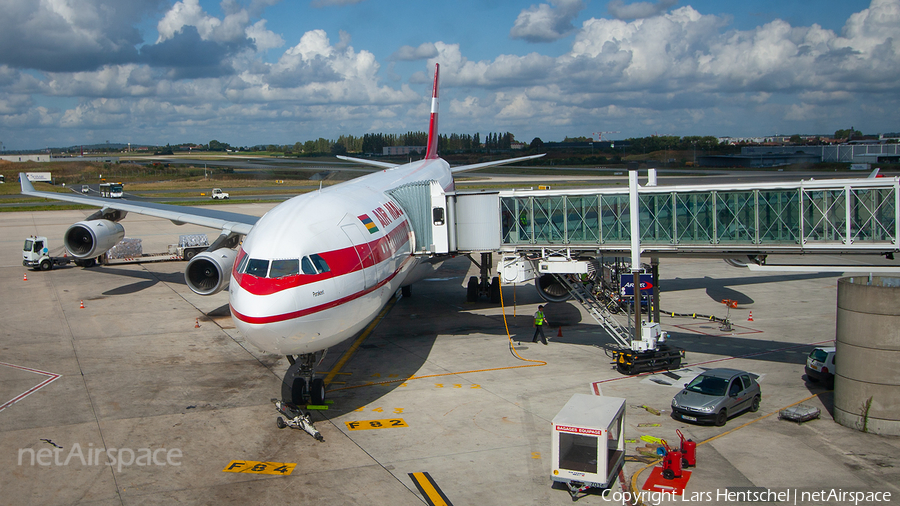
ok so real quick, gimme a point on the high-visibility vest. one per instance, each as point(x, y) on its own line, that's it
point(539, 318)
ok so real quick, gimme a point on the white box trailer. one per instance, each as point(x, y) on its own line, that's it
point(588, 442)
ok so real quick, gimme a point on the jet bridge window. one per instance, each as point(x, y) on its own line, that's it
point(281, 268)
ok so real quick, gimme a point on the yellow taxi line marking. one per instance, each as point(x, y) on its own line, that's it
point(426, 485)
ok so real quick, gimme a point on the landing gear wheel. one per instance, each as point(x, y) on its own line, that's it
point(754, 407)
point(495, 290)
point(668, 474)
point(472, 290)
point(46, 265)
point(293, 392)
point(317, 392)
point(280, 423)
point(406, 291)
point(721, 418)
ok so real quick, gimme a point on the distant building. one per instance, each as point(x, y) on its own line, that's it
point(756, 160)
point(848, 153)
point(26, 158)
point(402, 150)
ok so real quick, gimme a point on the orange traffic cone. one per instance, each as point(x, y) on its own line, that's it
point(82, 305)
point(197, 323)
point(25, 277)
point(750, 319)
point(559, 334)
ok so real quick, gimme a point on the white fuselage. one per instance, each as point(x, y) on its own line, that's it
point(317, 268)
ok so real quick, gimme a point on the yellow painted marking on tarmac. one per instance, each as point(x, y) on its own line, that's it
point(398, 411)
point(254, 467)
point(359, 340)
point(535, 455)
point(429, 489)
point(343, 360)
point(376, 424)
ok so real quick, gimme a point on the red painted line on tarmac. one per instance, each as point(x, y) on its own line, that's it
point(51, 378)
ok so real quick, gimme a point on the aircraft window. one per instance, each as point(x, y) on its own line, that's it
point(307, 266)
point(242, 267)
point(258, 268)
point(281, 268)
point(320, 263)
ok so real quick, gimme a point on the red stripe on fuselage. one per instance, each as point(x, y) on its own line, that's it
point(259, 320)
point(341, 262)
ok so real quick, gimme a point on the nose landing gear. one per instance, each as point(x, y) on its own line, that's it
point(300, 382)
point(299, 385)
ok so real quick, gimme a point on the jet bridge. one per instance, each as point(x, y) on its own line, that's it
point(553, 232)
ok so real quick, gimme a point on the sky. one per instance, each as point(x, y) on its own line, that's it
point(248, 72)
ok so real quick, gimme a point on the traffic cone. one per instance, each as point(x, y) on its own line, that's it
point(82, 304)
point(25, 277)
point(750, 319)
point(197, 323)
point(559, 334)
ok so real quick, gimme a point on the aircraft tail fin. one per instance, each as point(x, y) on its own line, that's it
point(431, 151)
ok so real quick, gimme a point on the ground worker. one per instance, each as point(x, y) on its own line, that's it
point(539, 322)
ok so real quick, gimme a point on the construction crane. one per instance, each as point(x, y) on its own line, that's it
point(600, 134)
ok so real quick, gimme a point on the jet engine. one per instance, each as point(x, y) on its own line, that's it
point(550, 289)
point(208, 272)
point(92, 238)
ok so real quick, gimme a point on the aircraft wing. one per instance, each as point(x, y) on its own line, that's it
point(465, 168)
point(212, 218)
point(383, 165)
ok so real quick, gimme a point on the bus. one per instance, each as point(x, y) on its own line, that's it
point(112, 190)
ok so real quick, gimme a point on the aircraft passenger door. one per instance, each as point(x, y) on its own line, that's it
point(360, 278)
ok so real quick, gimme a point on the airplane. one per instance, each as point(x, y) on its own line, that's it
point(310, 273)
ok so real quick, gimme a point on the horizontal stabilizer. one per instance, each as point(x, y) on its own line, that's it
point(383, 165)
point(465, 168)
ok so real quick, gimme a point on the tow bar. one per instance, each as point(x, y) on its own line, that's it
point(295, 419)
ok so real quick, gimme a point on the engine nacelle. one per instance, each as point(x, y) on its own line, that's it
point(550, 289)
point(92, 238)
point(208, 272)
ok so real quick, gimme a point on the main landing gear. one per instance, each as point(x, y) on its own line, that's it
point(483, 285)
point(300, 383)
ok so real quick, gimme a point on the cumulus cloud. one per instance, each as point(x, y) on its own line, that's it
point(65, 35)
point(546, 22)
point(408, 53)
point(619, 10)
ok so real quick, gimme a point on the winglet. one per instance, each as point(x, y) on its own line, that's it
point(431, 151)
point(27, 187)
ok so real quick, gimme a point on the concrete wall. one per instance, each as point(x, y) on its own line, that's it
point(867, 360)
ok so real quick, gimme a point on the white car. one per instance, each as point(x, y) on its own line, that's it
point(820, 365)
point(217, 193)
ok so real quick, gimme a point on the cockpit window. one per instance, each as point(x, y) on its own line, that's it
point(258, 268)
point(308, 267)
point(242, 267)
point(281, 268)
point(320, 263)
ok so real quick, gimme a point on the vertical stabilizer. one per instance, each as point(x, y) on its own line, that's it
point(431, 151)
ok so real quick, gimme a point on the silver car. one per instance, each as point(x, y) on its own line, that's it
point(715, 395)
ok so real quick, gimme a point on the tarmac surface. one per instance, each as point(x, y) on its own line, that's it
point(148, 368)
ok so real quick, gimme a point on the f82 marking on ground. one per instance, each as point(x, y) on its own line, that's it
point(376, 424)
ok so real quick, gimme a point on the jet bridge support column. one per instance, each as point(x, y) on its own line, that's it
point(654, 272)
